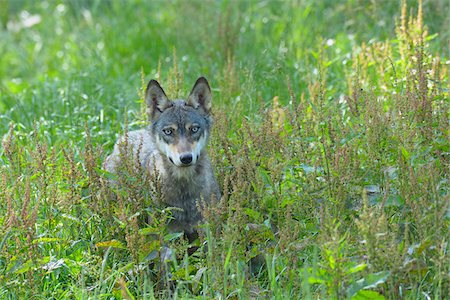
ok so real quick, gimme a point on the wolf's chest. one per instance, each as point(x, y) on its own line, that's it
point(184, 194)
point(181, 194)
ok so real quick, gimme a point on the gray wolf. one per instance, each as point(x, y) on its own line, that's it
point(172, 147)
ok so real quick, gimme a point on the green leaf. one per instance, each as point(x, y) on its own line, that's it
point(357, 269)
point(148, 230)
point(46, 240)
point(431, 37)
point(317, 276)
point(394, 200)
point(368, 295)
point(314, 280)
point(369, 282)
point(126, 268)
point(373, 280)
point(265, 176)
point(5, 238)
point(406, 155)
point(152, 255)
point(332, 261)
point(25, 267)
point(287, 201)
point(113, 244)
point(227, 259)
point(196, 281)
point(253, 214)
point(172, 236)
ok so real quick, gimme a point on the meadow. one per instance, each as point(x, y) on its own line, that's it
point(331, 146)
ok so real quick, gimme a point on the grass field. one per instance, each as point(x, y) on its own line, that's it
point(330, 143)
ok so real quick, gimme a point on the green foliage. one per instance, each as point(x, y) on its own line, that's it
point(330, 144)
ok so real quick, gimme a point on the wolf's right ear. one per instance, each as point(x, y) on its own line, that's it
point(156, 99)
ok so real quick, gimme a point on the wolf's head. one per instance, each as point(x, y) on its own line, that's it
point(180, 128)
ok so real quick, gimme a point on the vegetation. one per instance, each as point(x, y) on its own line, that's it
point(330, 143)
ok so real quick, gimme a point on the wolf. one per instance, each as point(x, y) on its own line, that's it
point(173, 147)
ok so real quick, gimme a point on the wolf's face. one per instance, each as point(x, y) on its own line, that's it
point(180, 128)
point(181, 133)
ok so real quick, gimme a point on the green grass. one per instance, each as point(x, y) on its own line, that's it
point(330, 143)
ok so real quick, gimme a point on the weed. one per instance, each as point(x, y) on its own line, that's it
point(330, 145)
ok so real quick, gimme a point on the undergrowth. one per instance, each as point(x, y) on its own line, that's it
point(325, 195)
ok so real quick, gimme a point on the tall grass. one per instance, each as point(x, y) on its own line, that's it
point(330, 144)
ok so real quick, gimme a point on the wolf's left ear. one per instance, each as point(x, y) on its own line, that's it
point(200, 96)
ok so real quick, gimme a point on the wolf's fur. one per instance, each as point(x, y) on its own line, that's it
point(173, 147)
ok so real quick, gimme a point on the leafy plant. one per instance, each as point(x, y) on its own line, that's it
point(330, 144)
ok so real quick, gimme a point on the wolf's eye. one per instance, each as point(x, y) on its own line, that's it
point(167, 131)
point(195, 129)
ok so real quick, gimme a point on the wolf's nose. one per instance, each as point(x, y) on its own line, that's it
point(186, 158)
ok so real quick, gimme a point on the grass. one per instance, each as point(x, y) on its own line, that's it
point(330, 143)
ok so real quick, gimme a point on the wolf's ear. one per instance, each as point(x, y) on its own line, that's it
point(200, 96)
point(156, 99)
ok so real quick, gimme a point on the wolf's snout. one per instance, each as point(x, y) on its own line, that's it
point(186, 158)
